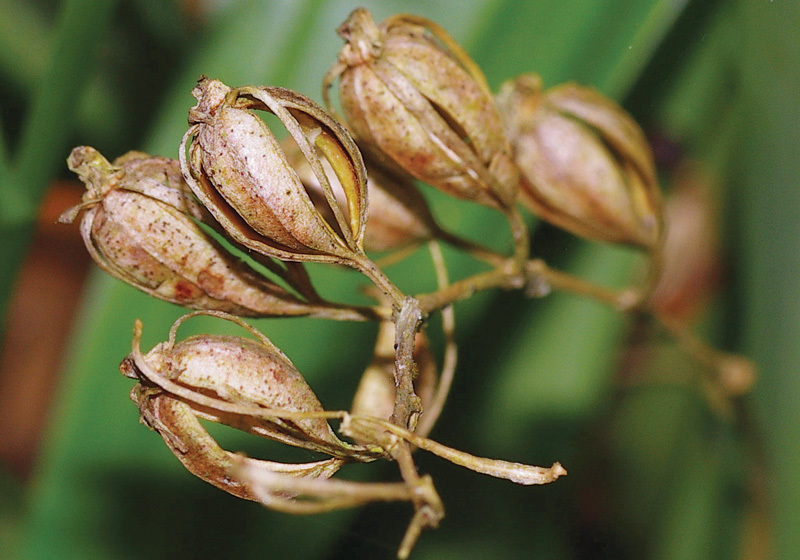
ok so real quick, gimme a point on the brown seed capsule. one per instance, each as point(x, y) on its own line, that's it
point(238, 170)
point(247, 384)
point(138, 226)
point(585, 163)
point(398, 214)
point(410, 91)
point(191, 443)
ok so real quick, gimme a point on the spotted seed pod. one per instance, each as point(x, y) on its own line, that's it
point(140, 225)
point(398, 215)
point(412, 93)
point(190, 442)
point(239, 171)
point(585, 163)
point(248, 384)
point(376, 391)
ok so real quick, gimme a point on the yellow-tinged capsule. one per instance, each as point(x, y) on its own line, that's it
point(240, 173)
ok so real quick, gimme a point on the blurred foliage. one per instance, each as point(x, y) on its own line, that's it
point(654, 472)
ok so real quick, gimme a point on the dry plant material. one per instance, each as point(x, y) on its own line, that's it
point(412, 95)
point(585, 163)
point(420, 109)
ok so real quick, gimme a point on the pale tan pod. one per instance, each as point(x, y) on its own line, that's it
point(138, 226)
point(411, 92)
point(237, 168)
point(585, 163)
point(236, 370)
point(201, 455)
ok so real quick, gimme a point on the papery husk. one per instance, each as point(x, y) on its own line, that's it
point(200, 454)
point(411, 93)
point(237, 168)
point(398, 215)
point(140, 224)
point(586, 165)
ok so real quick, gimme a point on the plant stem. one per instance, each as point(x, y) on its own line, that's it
point(407, 405)
point(368, 268)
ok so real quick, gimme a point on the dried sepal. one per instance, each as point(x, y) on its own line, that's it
point(140, 225)
point(315, 494)
point(586, 164)
point(248, 384)
point(412, 94)
point(239, 171)
point(398, 215)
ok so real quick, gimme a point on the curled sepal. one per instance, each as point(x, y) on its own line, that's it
point(140, 225)
point(248, 384)
point(369, 428)
point(178, 424)
point(316, 495)
point(586, 165)
point(412, 94)
point(239, 171)
point(375, 395)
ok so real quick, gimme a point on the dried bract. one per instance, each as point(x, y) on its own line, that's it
point(398, 215)
point(411, 93)
point(140, 225)
point(239, 171)
point(585, 163)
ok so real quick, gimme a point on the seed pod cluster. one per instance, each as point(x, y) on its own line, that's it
point(410, 93)
point(140, 225)
point(420, 109)
point(585, 163)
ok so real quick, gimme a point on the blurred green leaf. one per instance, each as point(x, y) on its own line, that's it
point(768, 209)
point(47, 125)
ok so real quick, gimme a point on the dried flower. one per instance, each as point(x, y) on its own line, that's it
point(139, 225)
point(585, 163)
point(409, 91)
point(238, 170)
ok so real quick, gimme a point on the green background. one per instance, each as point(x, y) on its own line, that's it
point(654, 473)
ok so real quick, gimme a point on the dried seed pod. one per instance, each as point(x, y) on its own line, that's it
point(247, 384)
point(238, 170)
point(376, 391)
point(398, 215)
point(139, 226)
point(189, 441)
point(410, 91)
point(585, 163)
